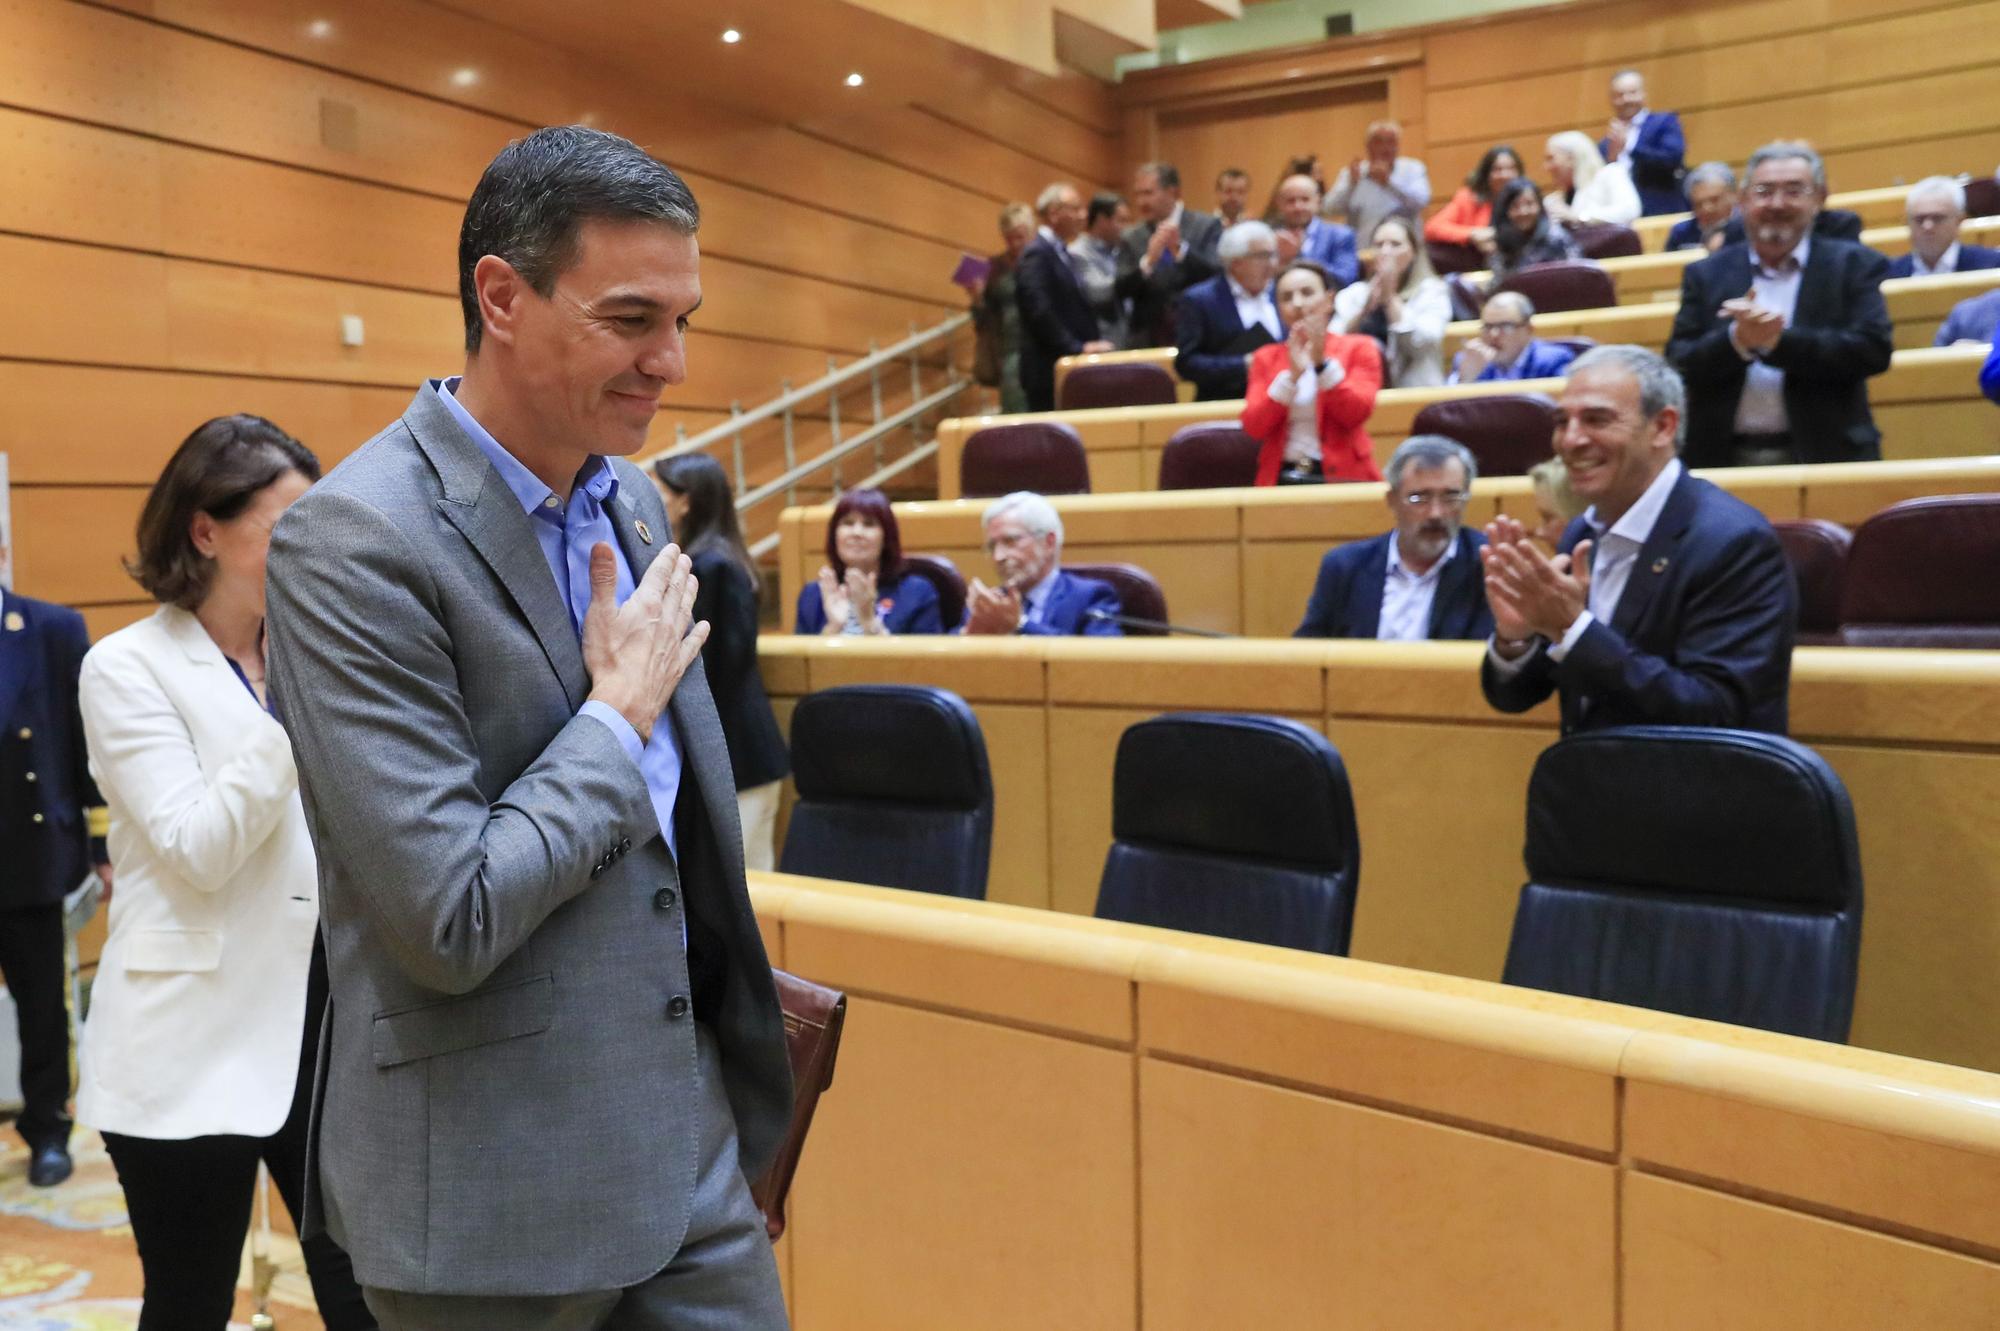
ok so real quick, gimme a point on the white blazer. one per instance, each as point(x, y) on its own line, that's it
point(198, 1009)
point(1608, 198)
point(1415, 358)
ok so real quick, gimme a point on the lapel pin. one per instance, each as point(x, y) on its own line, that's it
point(1660, 564)
point(645, 532)
point(14, 621)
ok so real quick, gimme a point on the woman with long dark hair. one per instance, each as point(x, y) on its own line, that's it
point(702, 509)
point(863, 586)
point(1524, 233)
point(1468, 218)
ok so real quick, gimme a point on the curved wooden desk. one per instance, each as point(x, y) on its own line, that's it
point(1048, 1121)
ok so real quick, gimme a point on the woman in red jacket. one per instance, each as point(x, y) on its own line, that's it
point(1468, 218)
point(1310, 395)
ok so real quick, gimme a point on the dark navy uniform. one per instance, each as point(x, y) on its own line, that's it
point(52, 823)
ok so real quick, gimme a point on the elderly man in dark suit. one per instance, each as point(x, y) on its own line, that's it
point(52, 823)
point(1935, 210)
point(1668, 602)
point(1648, 142)
point(1171, 249)
point(1219, 324)
point(553, 1055)
point(1056, 318)
point(1036, 595)
point(1422, 578)
point(1777, 338)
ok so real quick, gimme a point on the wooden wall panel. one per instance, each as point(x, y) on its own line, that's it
point(1259, 136)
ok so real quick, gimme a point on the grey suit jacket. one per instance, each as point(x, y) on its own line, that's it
point(506, 1085)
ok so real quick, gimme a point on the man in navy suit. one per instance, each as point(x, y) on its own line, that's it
point(1419, 580)
point(1935, 210)
point(1777, 338)
point(1711, 196)
point(1507, 347)
point(1171, 249)
point(1668, 602)
point(1024, 535)
point(1220, 323)
point(1304, 234)
point(1649, 143)
point(52, 823)
point(1056, 319)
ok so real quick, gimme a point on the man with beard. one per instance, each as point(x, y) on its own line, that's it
point(1668, 602)
point(1777, 338)
point(1421, 580)
point(1024, 536)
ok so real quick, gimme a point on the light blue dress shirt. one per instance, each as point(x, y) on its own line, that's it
point(566, 532)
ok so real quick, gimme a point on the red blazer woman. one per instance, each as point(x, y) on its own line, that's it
point(1346, 452)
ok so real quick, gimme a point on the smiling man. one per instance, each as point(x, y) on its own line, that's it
point(553, 1051)
point(1668, 602)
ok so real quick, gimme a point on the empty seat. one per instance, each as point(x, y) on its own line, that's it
point(1212, 455)
point(1577, 343)
point(893, 790)
point(1982, 197)
point(1713, 873)
point(1119, 384)
point(1606, 240)
point(1139, 593)
point(945, 579)
point(1568, 285)
point(1919, 575)
point(1817, 551)
point(1235, 826)
point(1507, 432)
point(1044, 456)
point(1450, 256)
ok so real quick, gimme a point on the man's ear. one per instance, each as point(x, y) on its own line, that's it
point(501, 292)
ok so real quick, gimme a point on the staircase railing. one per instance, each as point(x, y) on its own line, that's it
point(786, 406)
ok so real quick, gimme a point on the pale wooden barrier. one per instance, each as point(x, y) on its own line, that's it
point(1927, 404)
point(1876, 207)
point(1048, 1121)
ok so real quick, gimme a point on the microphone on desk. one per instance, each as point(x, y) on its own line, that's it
point(1154, 625)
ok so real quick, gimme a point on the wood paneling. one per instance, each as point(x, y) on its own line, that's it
point(1259, 136)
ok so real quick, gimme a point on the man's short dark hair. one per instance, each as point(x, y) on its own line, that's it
point(1103, 204)
point(540, 190)
point(1166, 173)
point(1231, 173)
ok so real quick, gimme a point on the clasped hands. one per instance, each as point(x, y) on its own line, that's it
point(1305, 344)
point(849, 598)
point(636, 653)
point(1754, 328)
point(1532, 595)
point(992, 609)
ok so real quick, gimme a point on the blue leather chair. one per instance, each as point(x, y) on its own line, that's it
point(1235, 826)
point(1713, 873)
point(893, 788)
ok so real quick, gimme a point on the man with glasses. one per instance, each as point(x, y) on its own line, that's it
point(1420, 580)
point(1935, 210)
point(1507, 347)
point(1668, 602)
point(1024, 537)
point(1777, 338)
point(1220, 323)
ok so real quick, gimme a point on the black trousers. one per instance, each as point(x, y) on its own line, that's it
point(190, 1204)
point(31, 959)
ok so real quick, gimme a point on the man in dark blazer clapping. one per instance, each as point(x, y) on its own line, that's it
point(1777, 337)
point(1669, 602)
point(1171, 249)
point(1056, 319)
point(1649, 143)
point(1422, 579)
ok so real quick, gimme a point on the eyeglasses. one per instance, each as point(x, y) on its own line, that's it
point(1929, 220)
point(1425, 498)
point(1501, 327)
point(1791, 190)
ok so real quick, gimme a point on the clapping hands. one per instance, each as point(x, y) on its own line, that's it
point(1532, 595)
point(1755, 328)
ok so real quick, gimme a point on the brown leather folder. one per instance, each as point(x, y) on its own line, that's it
point(813, 1018)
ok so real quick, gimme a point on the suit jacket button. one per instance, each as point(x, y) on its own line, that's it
point(38, 817)
point(664, 898)
point(31, 776)
point(677, 1007)
point(624, 844)
point(27, 733)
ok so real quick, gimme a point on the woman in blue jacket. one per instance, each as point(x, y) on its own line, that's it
point(863, 587)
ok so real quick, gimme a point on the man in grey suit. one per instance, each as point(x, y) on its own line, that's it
point(553, 1051)
point(1171, 249)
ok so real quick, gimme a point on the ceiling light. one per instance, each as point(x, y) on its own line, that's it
point(853, 80)
point(464, 78)
point(730, 36)
point(320, 28)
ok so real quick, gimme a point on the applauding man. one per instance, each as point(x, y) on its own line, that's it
point(1024, 535)
point(1667, 603)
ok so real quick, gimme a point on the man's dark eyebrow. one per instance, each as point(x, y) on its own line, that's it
point(633, 300)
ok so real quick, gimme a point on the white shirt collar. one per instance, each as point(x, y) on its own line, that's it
point(1180, 206)
point(1396, 563)
point(1947, 262)
point(1801, 252)
point(1048, 233)
point(1639, 520)
point(1244, 294)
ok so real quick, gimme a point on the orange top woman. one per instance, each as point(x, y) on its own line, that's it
point(1468, 218)
point(1311, 394)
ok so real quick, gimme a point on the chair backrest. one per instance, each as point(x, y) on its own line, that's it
point(893, 790)
point(1211, 455)
point(1235, 826)
point(1466, 298)
point(1918, 575)
point(1119, 384)
point(1577, 344)
point(1568, 284)
point(1451, 256)
point(1139, 593)
point(1044, 456)
point(1817, 551)
point(1507, 432)
point(1713, 873)
point(1982, 197)
point(1606, 240)
point(945, 579)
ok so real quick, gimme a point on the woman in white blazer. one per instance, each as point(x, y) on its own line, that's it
point(197, 1057)
point(1404, 306)
point(1584, 189)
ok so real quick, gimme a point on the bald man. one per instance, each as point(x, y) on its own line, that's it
point(1304, 234)
point(1507, 347)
